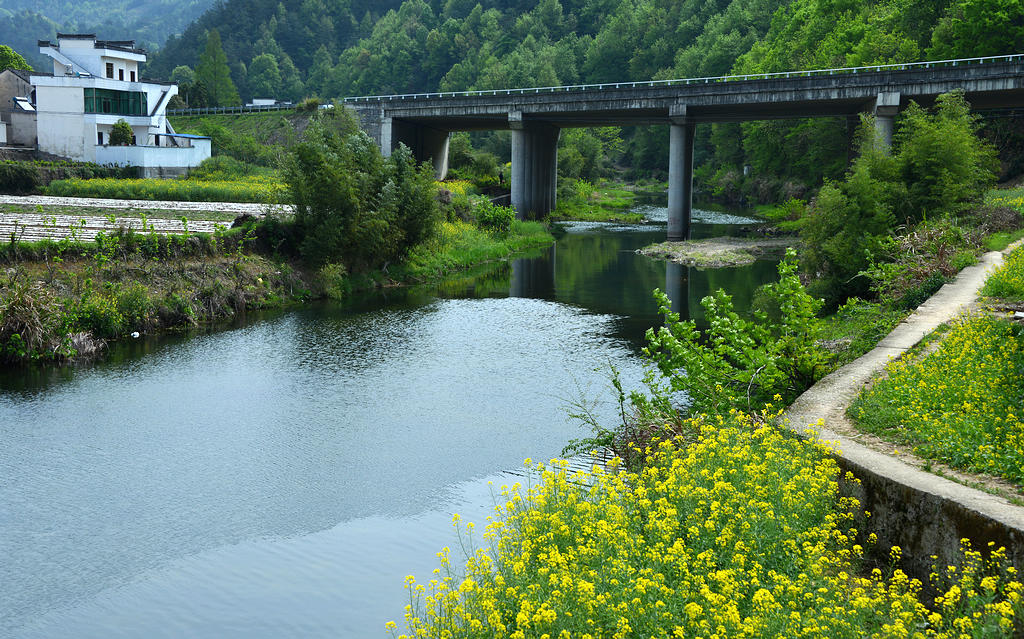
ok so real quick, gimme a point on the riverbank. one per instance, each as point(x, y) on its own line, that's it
point(64, 299)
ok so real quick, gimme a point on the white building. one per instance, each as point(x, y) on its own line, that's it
point(94, 84)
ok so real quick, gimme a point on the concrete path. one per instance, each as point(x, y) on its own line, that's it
point(912, 508)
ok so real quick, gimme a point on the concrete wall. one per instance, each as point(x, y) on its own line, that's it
point(155, 159)
point(23, 129)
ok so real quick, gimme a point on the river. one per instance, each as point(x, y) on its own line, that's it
point(283, 476)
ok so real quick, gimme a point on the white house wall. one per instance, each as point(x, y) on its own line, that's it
point(60, 128)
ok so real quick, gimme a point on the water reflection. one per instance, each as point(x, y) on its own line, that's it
point(281, 478)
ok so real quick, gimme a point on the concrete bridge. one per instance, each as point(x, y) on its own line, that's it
point(535, 116)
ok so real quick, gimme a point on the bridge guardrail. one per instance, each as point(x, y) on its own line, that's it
point(1017, 57)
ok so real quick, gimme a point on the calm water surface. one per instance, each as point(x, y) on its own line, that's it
point(283, 477)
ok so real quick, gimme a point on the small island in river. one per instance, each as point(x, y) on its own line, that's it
point(719, 252)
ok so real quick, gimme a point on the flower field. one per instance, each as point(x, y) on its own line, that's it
point(257, 188)
point(961, 404)
point(1007, 280)
point(743, 533)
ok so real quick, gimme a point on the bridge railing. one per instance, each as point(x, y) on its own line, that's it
point(683, 81)
point(231, 109)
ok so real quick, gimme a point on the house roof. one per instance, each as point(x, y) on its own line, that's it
point(24, 75)
point(127, 46)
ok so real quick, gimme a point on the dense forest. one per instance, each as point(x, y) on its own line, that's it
point(148, 22)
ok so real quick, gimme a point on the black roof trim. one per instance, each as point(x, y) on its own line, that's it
point(76, 36)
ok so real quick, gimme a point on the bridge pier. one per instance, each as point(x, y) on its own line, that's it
point(534, 167)
point(680, 177)
point(427, 144)
point(887, 105)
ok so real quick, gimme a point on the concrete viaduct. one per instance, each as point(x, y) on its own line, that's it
point(423, 122)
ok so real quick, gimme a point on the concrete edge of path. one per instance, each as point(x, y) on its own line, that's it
point(921, 512)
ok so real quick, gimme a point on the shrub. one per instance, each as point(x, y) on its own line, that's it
point(334, 279)
point(494, 218)
point(134, 305)
point(741, 364)
point(121, 133)
point(353, 206)
point(33, 325)
point(18, 177)
point(744, 533)
point(99, 314)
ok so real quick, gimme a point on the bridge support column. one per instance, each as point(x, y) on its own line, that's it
point(427, 144)
point(534, 167)
point(887, 105)
point(680, 178)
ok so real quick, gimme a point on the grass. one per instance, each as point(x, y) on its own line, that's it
point(1007, 281)
point(856, 327)
point(459, 245)
point(604, 202)
point(742, 533)
point(258, 188)
point(60, 299)
point(960, 404)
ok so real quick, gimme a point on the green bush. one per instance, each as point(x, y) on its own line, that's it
point(352, 205)
point(742, 364)
point(134, 305)
point(494, 218)
point(99, 314)
point(121, 133)
point(18, 177)
point(334, 279)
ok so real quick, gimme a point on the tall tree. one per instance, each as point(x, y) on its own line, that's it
point(213, 72)
point(10, 59)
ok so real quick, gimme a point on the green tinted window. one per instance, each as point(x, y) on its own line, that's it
point(115, 102)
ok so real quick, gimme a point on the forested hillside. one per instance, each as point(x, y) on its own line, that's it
point(148, 22)
point(329, 48)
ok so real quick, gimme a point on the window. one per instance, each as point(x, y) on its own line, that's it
point(116, 102)
point(120, 75)
point(110, 70)
point(156, 139)
point(133, 76)
point(99, 138)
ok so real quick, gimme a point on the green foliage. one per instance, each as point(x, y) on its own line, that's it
point(971, 28)
point(493, 217)
point(589, 153)
point(334, 280)
point(121, 133)
point(741, 363)
point(18, 177)
point(353, 206)
point(33, 326)
point(251, 188)
point(959, 404)
point(945, 166)
point(213, 73)
point(1008, 280)
point(10, 59)
point(939, 169)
